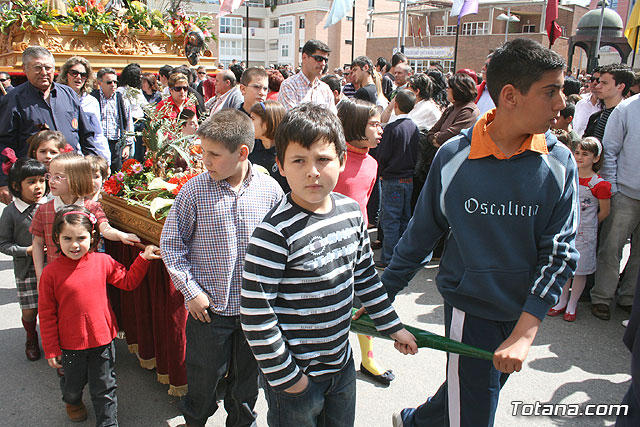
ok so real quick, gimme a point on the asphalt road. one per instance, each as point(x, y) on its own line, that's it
point(570, 363)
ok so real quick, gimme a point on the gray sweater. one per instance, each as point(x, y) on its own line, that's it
point(622, 148)
point(15, 236)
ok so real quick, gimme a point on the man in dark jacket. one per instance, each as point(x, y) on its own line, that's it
point(40, 104)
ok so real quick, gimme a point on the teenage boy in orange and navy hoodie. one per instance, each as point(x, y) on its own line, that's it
point(505, 194)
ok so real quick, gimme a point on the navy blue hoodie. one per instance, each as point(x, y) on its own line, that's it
point(510, 228)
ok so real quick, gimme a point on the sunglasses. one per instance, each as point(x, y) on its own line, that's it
point(320, 58)
point(110, 82)
point(201, 72)
point(595, 79)
point(4, 80)
point(180, 88)
point(76, 73)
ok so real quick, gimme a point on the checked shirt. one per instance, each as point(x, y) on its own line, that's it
point(205, 236)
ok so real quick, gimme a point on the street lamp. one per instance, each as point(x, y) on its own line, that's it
point(509, 18)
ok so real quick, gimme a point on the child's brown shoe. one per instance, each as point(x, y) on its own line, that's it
point(32, 349)
point(77, 413)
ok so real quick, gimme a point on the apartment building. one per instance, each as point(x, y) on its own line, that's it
point(431, 32)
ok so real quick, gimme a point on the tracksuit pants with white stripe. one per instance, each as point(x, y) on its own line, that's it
point(469, 396)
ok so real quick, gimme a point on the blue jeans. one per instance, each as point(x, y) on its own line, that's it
point(396, 213)
point(329, 403)
point(95, 366)
point(216, 350)
point(622, 223)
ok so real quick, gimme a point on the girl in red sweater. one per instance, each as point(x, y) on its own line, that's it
point(76, 320)
point(362, 130)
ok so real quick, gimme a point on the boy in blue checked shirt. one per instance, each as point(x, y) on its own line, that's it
point(203, 245)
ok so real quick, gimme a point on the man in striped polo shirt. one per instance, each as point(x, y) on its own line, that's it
point(303, 264)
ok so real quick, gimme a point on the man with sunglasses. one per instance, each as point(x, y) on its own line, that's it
point(5, 79)
point(116, 119)
point(588, 105)
point(306, 86)
point(41, 103)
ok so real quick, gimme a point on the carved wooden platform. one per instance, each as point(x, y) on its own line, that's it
point(151, 50)
point(132, 218)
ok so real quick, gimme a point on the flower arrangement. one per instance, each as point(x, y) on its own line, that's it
point(137, 183)
point(171, 160)
point(90, 15)
point(179, 23)
point(87, 15)
point(27, 13)
point(139, 18)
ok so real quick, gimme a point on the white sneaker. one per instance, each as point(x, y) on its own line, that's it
point(625, 323)
point(396, 419)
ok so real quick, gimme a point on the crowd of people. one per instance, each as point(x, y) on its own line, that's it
point(518, 178)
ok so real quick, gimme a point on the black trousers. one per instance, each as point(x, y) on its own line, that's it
point(218, 352)
point(95, 366)
point(116, 146)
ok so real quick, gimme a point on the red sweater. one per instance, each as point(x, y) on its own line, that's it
point(75, 313)
point(358, 177)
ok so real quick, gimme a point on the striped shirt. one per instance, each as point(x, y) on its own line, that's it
point(298, 89)
point(602, 123)
point(205, 236)
point(300, 274)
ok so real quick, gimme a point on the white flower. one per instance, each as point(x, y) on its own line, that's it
point(160, 184)
point(159, 203)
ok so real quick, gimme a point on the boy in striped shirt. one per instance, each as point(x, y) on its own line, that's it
point(303, 264)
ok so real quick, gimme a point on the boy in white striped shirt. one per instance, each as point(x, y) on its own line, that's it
point(303, 264)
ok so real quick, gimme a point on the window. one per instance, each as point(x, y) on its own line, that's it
point(274, 23)
point(254, 3)
point(422, 65)
point(475, 28)
point(372, 4)
point(231, 48)
point(273, 45)
point(230, 25)
point(370, 26)
point(286, 27)
point(450, 31)
point(528, 28)
point(301, 23)
point(419, 65)
point(349, 18)
point(348, 42)
point(284, 50)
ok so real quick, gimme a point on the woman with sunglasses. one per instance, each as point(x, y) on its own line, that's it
point(178, 98)
point(78, 75)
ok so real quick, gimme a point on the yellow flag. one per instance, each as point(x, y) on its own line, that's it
point(631, 32)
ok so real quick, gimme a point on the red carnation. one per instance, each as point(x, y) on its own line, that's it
point(112, 186)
